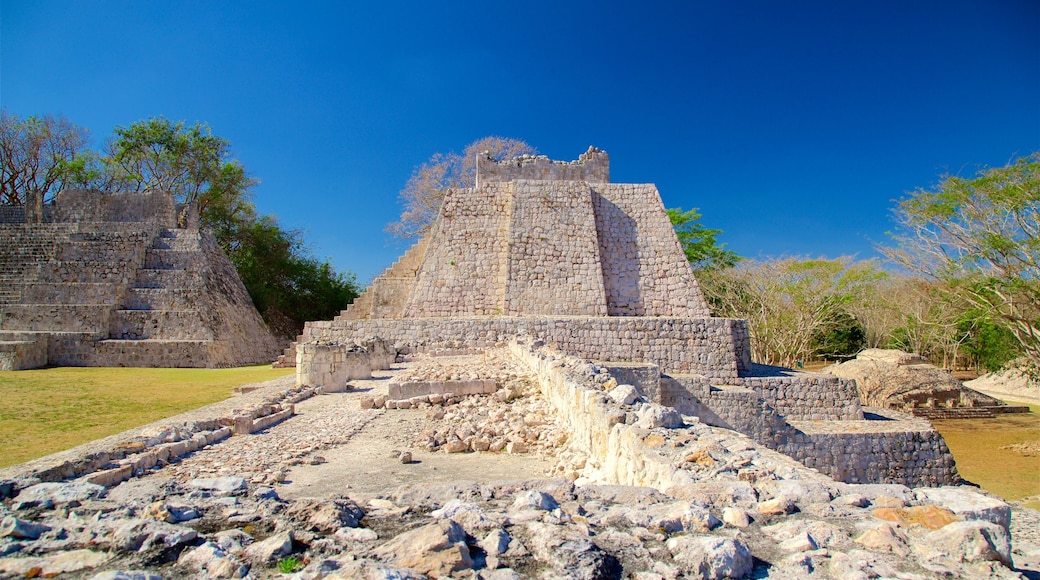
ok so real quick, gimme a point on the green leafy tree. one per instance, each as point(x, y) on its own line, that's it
point(188, 161)
point(842, 339)
point(423, 194)
point(981, 238)
point(287, 285)
point(699, 243)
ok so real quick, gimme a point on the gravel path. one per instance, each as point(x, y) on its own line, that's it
point(333, 447)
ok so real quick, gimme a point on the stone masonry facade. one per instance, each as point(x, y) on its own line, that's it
point(553, 252)
point(109, 280)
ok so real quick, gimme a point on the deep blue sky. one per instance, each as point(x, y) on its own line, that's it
point(792, 125)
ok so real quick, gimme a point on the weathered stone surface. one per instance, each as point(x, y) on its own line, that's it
point(212, 560)
point(54, 564)
point(885, 538)
point(321, 515)
point(12, 527)
point(61, 493)
point(969, 504)
point(221, 485)
point(711, 557)
point(145, 534)
point(267, 551)
point(436, 549)
point(735, 517)
point(776, 506)
point(970, 541)
point(931, 517)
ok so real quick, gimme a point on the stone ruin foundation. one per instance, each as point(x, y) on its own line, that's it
point(551, 255)
point(110, 279)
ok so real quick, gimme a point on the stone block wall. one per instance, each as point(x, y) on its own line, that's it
point(12, 214)
point(553, 265)
point(899, 449)
point(388, 294)
point(330, 365)
point(592, 166)
point(808, 396)
point(22, 354)
point(714, 347)
point(462, 273)
point(82, 205)
point(645, 272)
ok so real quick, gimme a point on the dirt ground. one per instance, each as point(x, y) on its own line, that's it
point(368, 465)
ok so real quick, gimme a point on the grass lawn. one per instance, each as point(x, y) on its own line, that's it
point(48, 410)
point(976, 445)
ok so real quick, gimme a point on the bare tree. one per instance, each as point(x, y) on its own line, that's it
point(424, 192)
point(787, 301)
point(35, 154)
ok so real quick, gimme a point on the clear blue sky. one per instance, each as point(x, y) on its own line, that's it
point(792, 125)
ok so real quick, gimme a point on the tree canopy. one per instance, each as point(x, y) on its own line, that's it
point(35, 156)
point(980, 237)
point(790, 303)
point(699, 243)
point(423, 194)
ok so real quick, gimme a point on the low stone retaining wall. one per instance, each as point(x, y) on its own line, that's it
point(896, 449)
point(23, 354)
point(410, 389)
point(330, 365)
point(117, 458)
point(713, 347)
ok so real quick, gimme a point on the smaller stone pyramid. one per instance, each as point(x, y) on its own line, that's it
point(109, 280)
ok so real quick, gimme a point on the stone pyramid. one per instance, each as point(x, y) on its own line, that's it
point(109, 280)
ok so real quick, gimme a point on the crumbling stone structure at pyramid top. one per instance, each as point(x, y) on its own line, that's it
point(543, 238)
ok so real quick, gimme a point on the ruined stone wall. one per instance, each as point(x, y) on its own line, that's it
point(899, 449)
point(12, 214)
point(838, 441)
point(645, 271)
point(806, 396)
point(82, 205)
point(553, 264)
point(714, 347)
point(463, 271)
point(388, 294)
point(593, 166)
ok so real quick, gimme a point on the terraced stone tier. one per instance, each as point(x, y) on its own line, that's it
point(158, 324)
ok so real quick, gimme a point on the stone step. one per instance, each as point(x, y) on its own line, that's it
point(180, 240)
point(161, 353)
point(954, 413)
point(157, 299)
point(161, 259)
point(152, 278)
point(56, 317)
point(158, 324)
point(58, 292)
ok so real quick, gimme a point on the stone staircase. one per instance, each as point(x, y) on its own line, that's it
point(932, 413)
point(160, 305)
point(386, 296)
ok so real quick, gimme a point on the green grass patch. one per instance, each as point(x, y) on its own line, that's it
point(976, 445)
point(48, 410)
